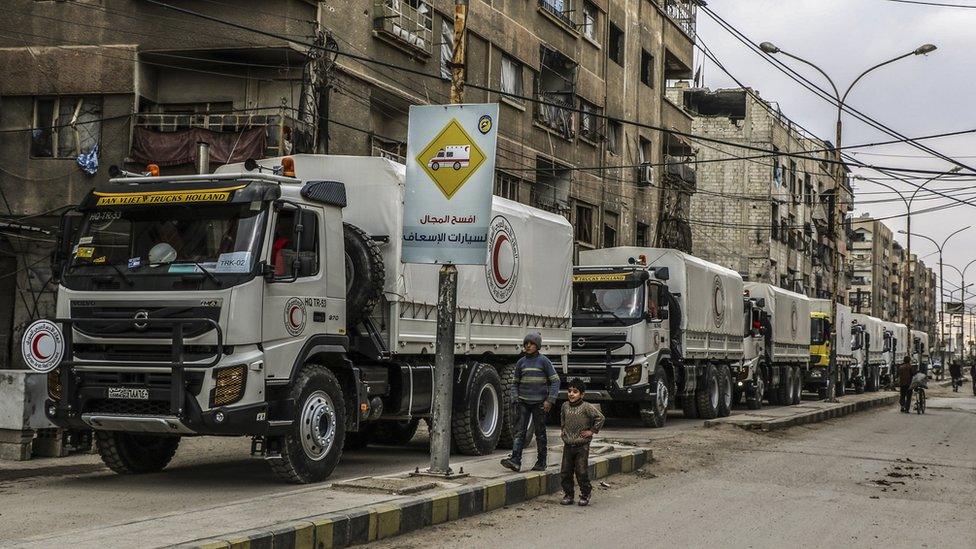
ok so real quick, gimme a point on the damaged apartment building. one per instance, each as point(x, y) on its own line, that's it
point(93, 84)
point(766, 217)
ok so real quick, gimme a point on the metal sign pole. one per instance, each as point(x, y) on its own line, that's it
point(440, 436)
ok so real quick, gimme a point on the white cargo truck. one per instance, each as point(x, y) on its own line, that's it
point(868, 344)
point(784, 322)
point(848, 373)
point(653, 328)
point(271, 302)
point(920, 350)
point(896, 346)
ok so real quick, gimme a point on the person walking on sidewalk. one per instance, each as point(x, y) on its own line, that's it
point(905, 375)
point(580, 421)
point(535, 389)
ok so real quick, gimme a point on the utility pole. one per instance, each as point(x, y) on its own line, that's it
point(443, 401)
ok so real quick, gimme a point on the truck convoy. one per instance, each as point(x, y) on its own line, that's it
point(271, 302)
point(783, 342)
point(868, 344)
point(656, 328)
point(849, 373)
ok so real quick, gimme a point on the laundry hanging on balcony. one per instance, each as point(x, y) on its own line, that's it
point(88, 161)
point(180, 147)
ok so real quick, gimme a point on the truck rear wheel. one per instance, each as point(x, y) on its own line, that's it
point(656, 414)
point(797, 385)
point(364, 274)
point(131, 453)
point(725, 391)
point(476, 424)
point(506, 436)
point(312, 448)
point(784, 392)
point(707, 396)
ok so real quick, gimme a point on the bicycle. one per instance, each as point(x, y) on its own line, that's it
point(919, 400)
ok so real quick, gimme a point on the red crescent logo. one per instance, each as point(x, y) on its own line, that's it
point(35, 343)
point(291, 317)
point(494, 260)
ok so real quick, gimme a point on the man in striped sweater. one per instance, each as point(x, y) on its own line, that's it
point(535, 389)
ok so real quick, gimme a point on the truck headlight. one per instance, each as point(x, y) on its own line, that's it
point(54, 385)
point(632, 374)
point(229, 384)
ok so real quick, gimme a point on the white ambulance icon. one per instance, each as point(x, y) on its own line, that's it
point(456, 156)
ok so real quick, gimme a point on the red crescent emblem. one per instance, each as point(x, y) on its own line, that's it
point(35, 343)
point(496, 270)
point(291, 317)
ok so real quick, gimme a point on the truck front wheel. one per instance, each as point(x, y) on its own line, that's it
point(477, 422)
point(708, 395)
point(754, 400)
point(784, 392)
point(797, 385)
point(130, 453)
point(725, 391)
point(311, 450)
point(656, 414)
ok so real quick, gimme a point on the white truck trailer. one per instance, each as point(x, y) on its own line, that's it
point(653, 328)
point(868, 344)
point(272, 303)
point(921, 357)
point(848, 373)
point(785, 330)
point(896, 348)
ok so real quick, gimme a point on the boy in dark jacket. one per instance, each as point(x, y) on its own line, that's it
point(580, 421)
point(536, 387)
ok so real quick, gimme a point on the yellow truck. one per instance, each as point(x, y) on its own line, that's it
point(821, 325)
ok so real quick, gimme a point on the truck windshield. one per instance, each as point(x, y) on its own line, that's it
point(608, 303)
point(818, 331)
point(169, 240)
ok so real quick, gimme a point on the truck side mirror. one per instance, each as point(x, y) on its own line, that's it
point(662, 273)
point(761, 303)
point(67, 231)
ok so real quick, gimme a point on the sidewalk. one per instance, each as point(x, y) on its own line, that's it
point(781, 417)
point(348, 512)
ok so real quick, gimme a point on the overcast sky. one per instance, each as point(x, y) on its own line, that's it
point(919, 95)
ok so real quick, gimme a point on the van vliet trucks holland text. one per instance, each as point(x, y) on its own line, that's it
point(247, 303)
point(654, 328)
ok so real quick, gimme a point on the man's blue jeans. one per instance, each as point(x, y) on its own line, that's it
point(535, 412)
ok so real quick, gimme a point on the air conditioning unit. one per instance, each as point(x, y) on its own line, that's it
point(645, 175)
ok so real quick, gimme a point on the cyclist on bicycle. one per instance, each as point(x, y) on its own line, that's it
point(905, 374)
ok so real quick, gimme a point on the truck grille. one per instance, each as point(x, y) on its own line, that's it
point(127, 407)
point(115, 321)
point(141, 353)
point(598, 342)
point(193, 380)
point(595, 378)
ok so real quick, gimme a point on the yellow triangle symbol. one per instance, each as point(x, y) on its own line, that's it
point(451, 158)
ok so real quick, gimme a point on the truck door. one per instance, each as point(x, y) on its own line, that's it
point(295, 306)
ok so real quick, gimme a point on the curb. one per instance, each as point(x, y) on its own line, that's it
point(809, 417)
point(376, 522)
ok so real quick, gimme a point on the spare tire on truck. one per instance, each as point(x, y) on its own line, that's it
point(365, 274)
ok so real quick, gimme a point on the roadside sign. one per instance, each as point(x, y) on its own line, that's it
point(42, 346)
point(450, 175)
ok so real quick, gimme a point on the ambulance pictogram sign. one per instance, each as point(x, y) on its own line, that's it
point(451, 158)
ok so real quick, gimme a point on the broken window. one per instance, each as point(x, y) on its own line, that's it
point(589, 121)
point(615, 45)
point(406, 21)
point(507, 186)
point(807, 190)
point(551, 188)
point(512, 78)
point(647, 68)
point(641, 234)
point(615, 138)
point(775, 216)
point(591, 16)
point(65, 126)
point(610, 228)
point(556, 90)
point(584, 223)
point(447, 47)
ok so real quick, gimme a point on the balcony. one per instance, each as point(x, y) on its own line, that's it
point(683, 13)
point(562, 10)
point(405, 23)
point(680, 172)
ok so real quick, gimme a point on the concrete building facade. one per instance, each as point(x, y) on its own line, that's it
point(766, 218)
point(871, 256)
point(143, 84)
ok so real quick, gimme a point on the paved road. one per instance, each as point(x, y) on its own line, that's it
point(879, 479)
point(78, 491)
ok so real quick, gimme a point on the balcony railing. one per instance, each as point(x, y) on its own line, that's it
point(389, 155)
point(562, 9)
point(683, 13)
point(559, 119)
point(277, 125)
point(408, 22)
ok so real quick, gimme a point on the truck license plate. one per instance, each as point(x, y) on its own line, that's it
point(128, 393)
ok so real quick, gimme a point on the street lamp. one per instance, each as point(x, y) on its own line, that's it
point(962, 296)
point(772, 49)
point(908, 211)
point(941, 286)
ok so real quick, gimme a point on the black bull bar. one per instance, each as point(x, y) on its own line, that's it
point(69, 402)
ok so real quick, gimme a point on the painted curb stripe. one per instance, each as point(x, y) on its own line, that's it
point(376, 522)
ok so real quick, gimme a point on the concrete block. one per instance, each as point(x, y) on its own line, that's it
point(22, 396)
point(16, 444)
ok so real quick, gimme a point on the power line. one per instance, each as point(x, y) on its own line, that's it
point(936, 4)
